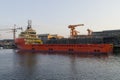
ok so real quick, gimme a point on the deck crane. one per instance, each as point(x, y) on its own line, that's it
point(89, 32)
point(73, 32)
point(13, 30)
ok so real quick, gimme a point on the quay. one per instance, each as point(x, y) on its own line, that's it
point(7, 44)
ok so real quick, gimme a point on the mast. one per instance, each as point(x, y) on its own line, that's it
point(14, 32)
point(29, 24)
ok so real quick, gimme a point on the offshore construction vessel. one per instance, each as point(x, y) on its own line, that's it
point(28, 40)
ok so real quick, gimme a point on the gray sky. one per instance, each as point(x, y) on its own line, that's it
point(54, 16)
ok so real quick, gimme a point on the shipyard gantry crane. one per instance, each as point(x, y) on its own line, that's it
point(73, 32)
point(14, 30)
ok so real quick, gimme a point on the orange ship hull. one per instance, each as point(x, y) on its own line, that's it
point(79, 48)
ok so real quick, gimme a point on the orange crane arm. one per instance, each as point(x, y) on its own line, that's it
point(73, 26)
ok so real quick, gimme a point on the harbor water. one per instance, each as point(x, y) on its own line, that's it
point(18, 65)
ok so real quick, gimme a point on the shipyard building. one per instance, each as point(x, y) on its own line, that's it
point(107, 33)
point(109, 36)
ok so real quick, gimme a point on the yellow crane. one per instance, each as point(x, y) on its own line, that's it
point(73, 32)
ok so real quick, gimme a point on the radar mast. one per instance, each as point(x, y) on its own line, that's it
point(29, 24)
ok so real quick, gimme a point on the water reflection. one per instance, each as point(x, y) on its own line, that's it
point(71, 55)
point(21, 65)
point(24, 65)
point(26, 59)
point(35, 65)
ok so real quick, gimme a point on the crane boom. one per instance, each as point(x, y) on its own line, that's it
point(73, 26)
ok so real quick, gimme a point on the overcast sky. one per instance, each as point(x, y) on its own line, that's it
point(54, 16)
